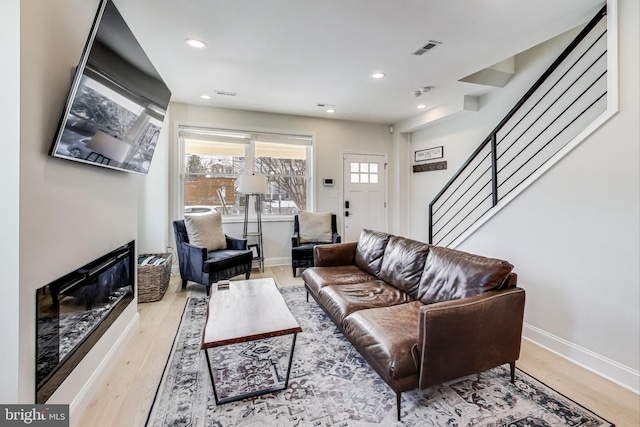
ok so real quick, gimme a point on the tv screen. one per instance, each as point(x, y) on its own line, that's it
point(117, 102)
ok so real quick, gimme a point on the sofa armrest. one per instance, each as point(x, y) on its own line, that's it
point(469, 335)
point(334, 254)
point(194, 256)
point(295, 239)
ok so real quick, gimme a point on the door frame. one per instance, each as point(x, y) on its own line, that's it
point(386, 185)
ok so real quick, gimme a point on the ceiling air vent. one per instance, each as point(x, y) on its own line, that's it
point(426, 47)
point(225, 93)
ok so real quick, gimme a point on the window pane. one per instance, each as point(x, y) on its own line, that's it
point(214, 193)
point(373, 167)
point(285, 195)
point(280, 159)
point(285, 166)
point(355, 167)
point(211, 169)
point(355, 178)
point(373, 178)
point(364, 178)
point(364, 167)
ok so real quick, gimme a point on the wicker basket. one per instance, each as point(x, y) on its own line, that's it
point(153, 280)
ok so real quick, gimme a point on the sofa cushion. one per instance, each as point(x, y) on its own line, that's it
point(403, 264)
point(305, 250)
point(315, 227)
point(387, 336)
point(370, 251)
point(226, 258)
point(318, 277)
point(342, 300)
point(206, 231)
point(451, 274)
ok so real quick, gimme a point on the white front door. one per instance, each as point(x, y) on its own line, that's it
point(364, 206)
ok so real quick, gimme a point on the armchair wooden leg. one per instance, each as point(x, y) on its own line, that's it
point(512, 367)
point(208, 289)
point(294, 271)
point(247, 275)
point(398, 402)
point(184, 283)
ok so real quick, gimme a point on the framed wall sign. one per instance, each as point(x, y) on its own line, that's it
point(429, 153)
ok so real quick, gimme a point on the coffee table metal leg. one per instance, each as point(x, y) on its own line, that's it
point(213, 383)
point(252, 393)
point(293, 346)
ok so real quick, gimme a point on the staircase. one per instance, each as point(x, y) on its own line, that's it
point(569, 96)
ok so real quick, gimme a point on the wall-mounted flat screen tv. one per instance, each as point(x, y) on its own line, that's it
point(117, 102)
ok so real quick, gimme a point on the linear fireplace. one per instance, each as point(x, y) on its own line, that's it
point(74, 311)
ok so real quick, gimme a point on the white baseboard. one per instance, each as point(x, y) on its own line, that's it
point(271, 262)
point(611, 370)
point(88, 391)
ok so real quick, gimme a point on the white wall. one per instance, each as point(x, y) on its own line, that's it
point(70, 213)
point(10, 193)
point(574, 235)
point(332, 137)
point(153, 200)
point(461, 136)
point(399, 185)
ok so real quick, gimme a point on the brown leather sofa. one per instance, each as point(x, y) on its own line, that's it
point(419, 314)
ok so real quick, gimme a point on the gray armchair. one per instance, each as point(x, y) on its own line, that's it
point(199, 265)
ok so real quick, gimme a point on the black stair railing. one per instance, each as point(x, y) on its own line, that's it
point(566, 98)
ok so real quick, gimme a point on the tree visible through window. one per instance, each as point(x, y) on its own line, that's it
point(285, 166)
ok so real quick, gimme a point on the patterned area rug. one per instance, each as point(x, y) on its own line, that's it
point(332, 385)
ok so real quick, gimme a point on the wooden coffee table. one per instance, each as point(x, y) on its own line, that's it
point(249, 310)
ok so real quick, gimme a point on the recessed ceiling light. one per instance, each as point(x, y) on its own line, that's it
point(378, 75)
point(198, 44)
point(205, 96)
point(331, 110)
point(421, 106)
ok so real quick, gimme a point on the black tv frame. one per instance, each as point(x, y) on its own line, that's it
point(94, 128)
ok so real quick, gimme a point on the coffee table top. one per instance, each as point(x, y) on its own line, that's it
point(249, 310)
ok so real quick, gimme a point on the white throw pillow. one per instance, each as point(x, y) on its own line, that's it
point(315, 227)
point(206, 231)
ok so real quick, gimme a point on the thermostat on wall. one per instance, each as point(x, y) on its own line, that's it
point(327, 182)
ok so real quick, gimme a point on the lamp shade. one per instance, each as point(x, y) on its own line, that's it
point(252, 184)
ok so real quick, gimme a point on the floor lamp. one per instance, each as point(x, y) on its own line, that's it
point(253, 185)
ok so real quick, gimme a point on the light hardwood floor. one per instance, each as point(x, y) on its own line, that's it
point(125, 397)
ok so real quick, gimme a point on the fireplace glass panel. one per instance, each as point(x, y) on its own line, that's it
point(75, 310)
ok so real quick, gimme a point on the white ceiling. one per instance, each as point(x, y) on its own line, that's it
point(286, 56)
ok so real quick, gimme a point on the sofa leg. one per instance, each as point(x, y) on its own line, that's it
point(512, 368)
point(247, 275)
point(208, 290)
point(398, 402)
point(307, 295)
point(184, 283)
point(294, 271)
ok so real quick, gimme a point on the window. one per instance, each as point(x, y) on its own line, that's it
point(364, 173)
point(214, 158)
